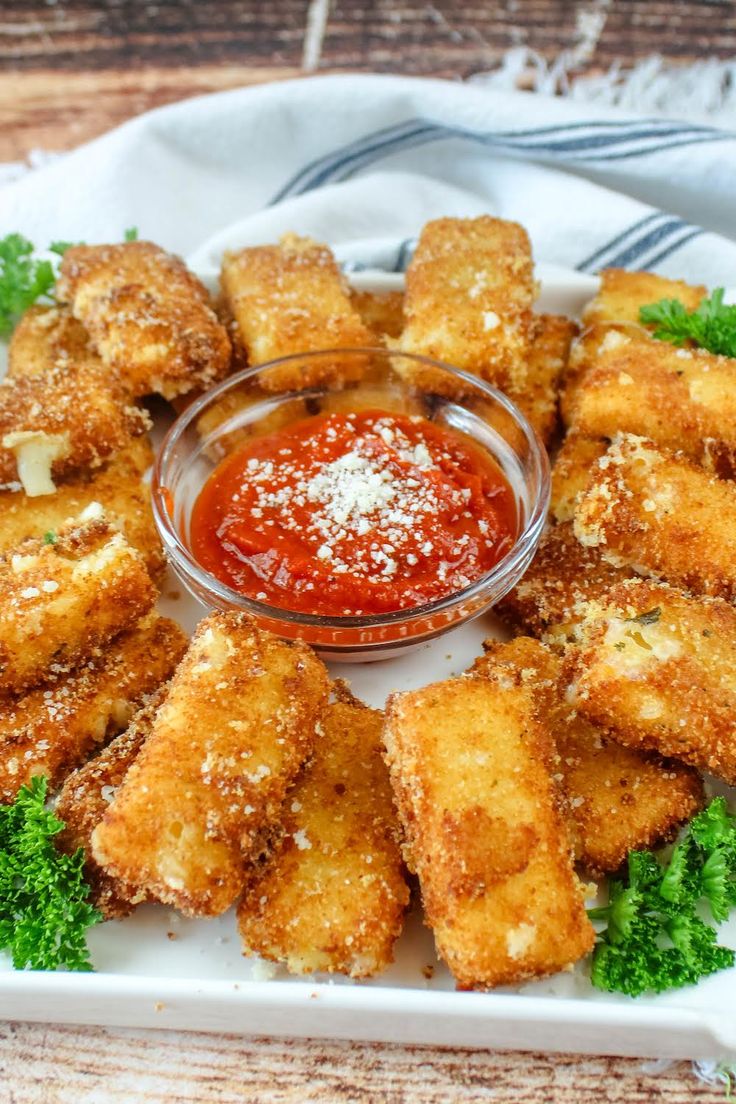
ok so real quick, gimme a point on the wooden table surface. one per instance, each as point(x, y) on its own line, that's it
point(69, 70)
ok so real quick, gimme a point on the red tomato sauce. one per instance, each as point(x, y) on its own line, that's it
point(354, 514)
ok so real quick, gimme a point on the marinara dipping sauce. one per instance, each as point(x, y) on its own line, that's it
point(354, 514)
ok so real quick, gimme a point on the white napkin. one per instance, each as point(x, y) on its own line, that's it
point(363, 161)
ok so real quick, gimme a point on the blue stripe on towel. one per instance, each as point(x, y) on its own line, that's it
point(640, 251)
point(588, 141)
point(599, 259)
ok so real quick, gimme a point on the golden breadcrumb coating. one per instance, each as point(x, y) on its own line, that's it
point(662, 515)
point(469, 294)
point(623, 293)
point(551, 336)
point(470, 764)
point(61, 601)
point(84, 798)
point(332, 894)
point(679, 398)
point(657, 667)
point(562, 574)
point(571, 472)
point(382, 312)
point(48, 337)
point(119, 489)
point(58, 423)
point(52, 729)
point(148, 316)
point(292, 298)
point(617, 799)
point(584, 353)
point(236, 725)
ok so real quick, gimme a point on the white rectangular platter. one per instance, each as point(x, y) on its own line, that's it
point(157, 969)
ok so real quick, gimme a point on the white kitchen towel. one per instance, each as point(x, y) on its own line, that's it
point(363, 161)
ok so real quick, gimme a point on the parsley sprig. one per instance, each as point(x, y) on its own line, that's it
point(44, 911)
point(712, 325)
point(25, 278)
point(657, 934)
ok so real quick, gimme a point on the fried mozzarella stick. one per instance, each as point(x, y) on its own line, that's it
point(469, 294)
point(663, 515)
point(571, 472)
point(64, 596)
point(332, 895)
point(658, 668)
point(45, 338)
point(622, 294)
point(52, 729)
point(292, 298)
point(117, 487)
point(62, 421)
point(680, 398)
point(237, 723)
point(551, 337)
point(471, 765)
point(147, 315)
point(617, 799)
point(84, 799)
point(563, 574)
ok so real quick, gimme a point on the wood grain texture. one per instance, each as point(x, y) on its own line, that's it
point(66, 1065)
point(454, 39)
point(57, 111)
point(71, 69)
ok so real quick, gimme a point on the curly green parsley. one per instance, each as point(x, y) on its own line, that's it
point(23, 279)
point(712, 325)
point(44, 911)
point(656, 937)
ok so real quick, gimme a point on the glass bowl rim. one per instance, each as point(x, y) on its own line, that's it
point(173, 543)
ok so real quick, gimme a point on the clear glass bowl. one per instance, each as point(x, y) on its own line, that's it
point(264, 399)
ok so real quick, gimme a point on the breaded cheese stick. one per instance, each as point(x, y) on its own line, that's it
point(58, 423)
point(291, 298)
point(551, 337)
point(622, 294)
point(86, 795)
point(545, 603)
point(52, 729)
point(228, 742)
point(658, 668)
point(62, 598)
point(571, 472)
point(332, 894)
point(382, 312)
point(663, 515)
point(471, 765)
point(680, 398)
point(469, 294)
point(617, 799)
point(117, 487)
point(148, 316)
point(48, 337)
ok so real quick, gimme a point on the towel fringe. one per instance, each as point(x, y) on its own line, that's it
point(704, 90)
